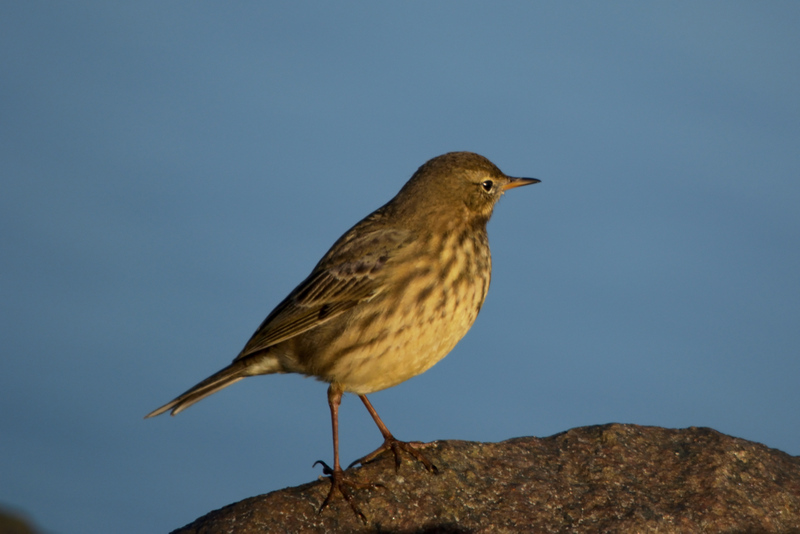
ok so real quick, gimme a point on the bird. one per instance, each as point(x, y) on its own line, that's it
point(392, 297)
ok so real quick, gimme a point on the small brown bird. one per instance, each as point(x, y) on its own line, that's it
point(391, 298)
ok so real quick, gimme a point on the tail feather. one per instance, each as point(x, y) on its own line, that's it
point(222, 379)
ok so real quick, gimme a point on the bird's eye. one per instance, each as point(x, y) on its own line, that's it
point(487, 185)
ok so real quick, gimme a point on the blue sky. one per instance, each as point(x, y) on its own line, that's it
point(171, 171)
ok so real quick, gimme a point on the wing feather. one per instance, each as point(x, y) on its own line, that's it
point(347, 275)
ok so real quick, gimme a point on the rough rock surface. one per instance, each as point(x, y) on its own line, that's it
point(608, 478)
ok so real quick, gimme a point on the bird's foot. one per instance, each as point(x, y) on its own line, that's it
point(340, 482)
point(395, 445)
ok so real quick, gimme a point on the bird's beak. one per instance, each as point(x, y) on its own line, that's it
point(519, 182)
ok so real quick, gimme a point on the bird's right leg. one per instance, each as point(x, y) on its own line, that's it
point(336, 474)
point(391, 443)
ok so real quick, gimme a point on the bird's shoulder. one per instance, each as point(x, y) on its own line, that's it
point(373, 238)
point(346, 275)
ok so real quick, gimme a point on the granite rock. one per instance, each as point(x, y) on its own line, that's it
point(606, 478)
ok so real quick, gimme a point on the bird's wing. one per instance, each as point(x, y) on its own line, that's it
point(346, 276)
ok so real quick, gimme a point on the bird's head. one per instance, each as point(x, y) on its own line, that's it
point(457, 185)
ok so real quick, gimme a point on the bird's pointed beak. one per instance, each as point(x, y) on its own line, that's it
point(519, 182)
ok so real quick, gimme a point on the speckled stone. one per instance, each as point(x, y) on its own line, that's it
point(606, 478)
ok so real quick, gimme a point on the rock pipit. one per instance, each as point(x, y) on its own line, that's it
point(391, 298)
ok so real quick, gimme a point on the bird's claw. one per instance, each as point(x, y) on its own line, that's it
point(395, 445)
point(340, 482)
point(326, 469)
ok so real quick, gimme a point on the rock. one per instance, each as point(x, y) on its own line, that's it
point(14, 523)
point(607, 478)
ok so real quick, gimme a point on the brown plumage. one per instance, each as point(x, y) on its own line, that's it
point(390, 298)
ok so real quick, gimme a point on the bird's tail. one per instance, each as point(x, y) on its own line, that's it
point(233, 373)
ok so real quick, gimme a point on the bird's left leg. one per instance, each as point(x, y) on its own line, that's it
point(392, 443)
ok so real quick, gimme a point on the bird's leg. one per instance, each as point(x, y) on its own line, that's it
point(336, 474)
point(392, 443)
